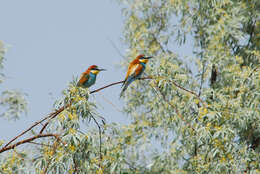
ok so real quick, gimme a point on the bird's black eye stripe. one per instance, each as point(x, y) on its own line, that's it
point(144, 57)
point(95, 69)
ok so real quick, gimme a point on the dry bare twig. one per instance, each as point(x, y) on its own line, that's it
point(28, 140)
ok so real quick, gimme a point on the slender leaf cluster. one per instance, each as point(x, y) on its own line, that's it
point(195, 114)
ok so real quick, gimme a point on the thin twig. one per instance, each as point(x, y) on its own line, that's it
point(202, 79)
point(100, 139)
point(160, 45)
point(189, 92)
point(54, 114)
point(111, 103)
point(30, 128)
point(258, 66)
point(112, 84)
point(251, 33)
point(115, 47)
point(130, 166)
point(75, 166)
point(49, 160)
point(27, 141)
point(174, 107)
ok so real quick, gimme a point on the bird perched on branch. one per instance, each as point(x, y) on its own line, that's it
point(135, 70)
point(88, 78)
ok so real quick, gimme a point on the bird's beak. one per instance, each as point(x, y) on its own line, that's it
point(102, 69)
point(149, 57)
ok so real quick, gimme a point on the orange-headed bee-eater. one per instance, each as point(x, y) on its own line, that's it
point(88, 78)
point(135, 69)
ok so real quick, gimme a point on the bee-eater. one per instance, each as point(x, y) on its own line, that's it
point(135, 69)
point(88, 78)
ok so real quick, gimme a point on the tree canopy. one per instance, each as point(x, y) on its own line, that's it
point(189, 114)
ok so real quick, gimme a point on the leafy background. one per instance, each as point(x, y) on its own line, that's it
point(181, 121)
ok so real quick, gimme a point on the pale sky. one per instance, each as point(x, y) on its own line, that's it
point(51, 41)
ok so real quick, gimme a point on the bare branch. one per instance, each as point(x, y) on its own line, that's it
point(28, 140)
point(53, 115)
point(99, 89)
point(191, 92)
point(30, 128)
point(100, 139)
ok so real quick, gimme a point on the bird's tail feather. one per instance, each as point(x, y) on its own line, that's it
point(123, 84)
point(124, 88)
point(126, 84)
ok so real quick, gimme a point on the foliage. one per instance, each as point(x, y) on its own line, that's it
point(184, 120)
point(222, 135)
point(12, 101)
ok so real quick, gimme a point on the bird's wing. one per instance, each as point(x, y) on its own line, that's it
point(132, 70)
point(138, 70)
point(83, 78)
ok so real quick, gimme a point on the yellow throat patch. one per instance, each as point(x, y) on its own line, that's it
point(95, 71)
point(143, 60)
